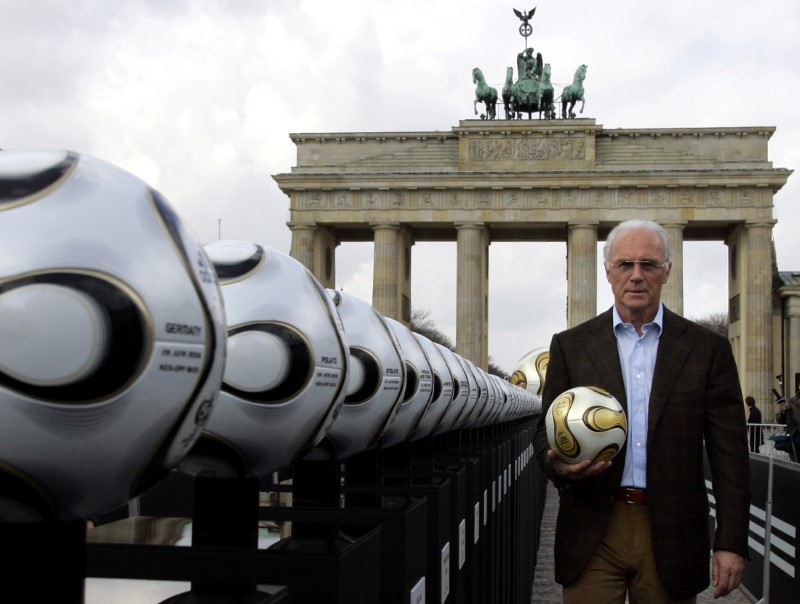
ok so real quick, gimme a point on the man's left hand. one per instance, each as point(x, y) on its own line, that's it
point(726, 572)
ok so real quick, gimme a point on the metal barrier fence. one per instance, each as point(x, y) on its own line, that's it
point(772, 575)
point(451, 519)
point(761, 439)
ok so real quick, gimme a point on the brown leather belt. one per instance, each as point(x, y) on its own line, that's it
point(631, 495)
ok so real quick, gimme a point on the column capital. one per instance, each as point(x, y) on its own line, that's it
point(583, 224)
point(469, 225)
point(765, 223)
point(791, 302)
point(385, 225)
point(293, 226)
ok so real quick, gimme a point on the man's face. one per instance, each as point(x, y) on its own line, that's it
point(637, 287)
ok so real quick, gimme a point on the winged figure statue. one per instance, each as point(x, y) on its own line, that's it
point(524, 16)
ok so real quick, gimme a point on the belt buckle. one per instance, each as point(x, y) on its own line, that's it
point(633, 495)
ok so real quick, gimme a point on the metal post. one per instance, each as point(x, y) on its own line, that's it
point(767, 535)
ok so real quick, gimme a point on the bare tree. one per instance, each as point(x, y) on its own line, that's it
point(715, 321)
point(422, 323)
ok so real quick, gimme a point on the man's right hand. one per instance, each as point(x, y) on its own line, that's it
point(576, 471)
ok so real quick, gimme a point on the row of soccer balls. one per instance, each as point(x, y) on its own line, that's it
point(129, 348)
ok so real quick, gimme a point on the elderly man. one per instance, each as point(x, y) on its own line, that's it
point(637, 526)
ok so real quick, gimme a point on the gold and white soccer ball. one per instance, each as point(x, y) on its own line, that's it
point(112, 331)
point(586, 423)
point(532, 368)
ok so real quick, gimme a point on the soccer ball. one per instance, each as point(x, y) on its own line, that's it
point(418, 389)
point(112, 332)
point(376, 377)
point(479, 406)
point(286, 367)
point(462, 390)
point(532, 368)
point(586, 423)
point(442, 389)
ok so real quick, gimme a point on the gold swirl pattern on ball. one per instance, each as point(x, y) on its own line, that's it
point(602, 419)
point(606, 454)
point(542, 361)
point(564, 439)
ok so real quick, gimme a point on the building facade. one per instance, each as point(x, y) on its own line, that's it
point(543, 180)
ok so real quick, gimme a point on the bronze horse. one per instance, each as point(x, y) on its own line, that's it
point(484, 94)
point(573, 93)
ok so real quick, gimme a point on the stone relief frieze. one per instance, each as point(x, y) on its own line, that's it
point(343, 201)
point(370, 200)
point(314, 199)
point(511, 199)
point(569, 199)
point(537, 198)
point(528, 150)
point(686, 198)
point(542, 199)
point(626, 197)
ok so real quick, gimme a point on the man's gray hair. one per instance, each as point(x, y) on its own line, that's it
point(635, 225)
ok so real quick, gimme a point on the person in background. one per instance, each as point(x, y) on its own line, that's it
point(756, 435)
point(637, 526)
point(518, 378)
point(786, 417)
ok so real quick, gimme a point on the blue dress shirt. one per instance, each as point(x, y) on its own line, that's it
point(637, 356)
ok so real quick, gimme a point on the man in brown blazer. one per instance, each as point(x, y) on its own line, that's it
point(637, 526)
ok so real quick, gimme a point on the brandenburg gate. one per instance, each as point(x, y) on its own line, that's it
point(566, 180)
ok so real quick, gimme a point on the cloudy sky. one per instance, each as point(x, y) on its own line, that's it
point(198, 98)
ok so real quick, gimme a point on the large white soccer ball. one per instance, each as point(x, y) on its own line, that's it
point(463, 391)
point(112, 336)
point(477, 406)
point(376, 377)
point(532, 368)
point(418, 390)
point(442, 389)
point(586, 423)
point(286, 368)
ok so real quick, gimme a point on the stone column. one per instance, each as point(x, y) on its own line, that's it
point(302, 248)
point(325, 243)
point(405, 241)
point(581, 272)
point(791, 365)
point(758, 377)
point(385, 270)
point(472, 293)
point(672, 294)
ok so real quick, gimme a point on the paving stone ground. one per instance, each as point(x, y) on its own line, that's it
point(547, 591)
